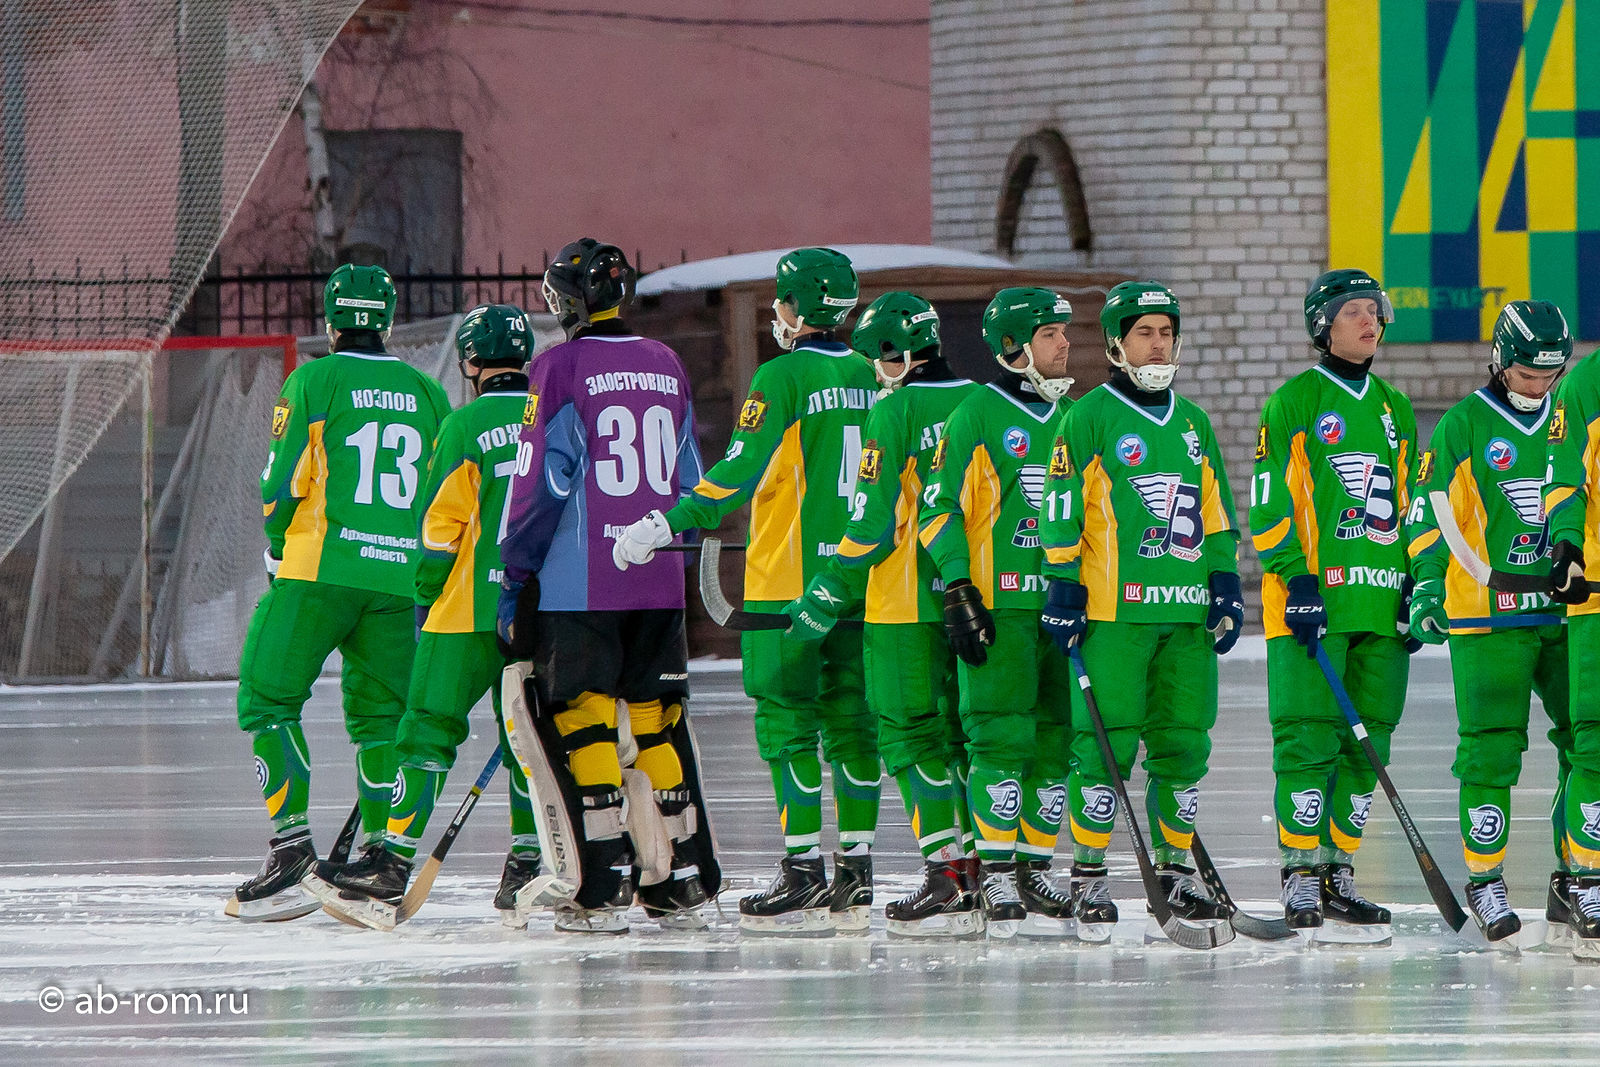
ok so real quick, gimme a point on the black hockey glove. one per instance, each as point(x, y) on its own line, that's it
point(1402, 622)
point(1225, 620)
point(513, 623)
point(1567, 583)
point(1065, 617)
point(967, 623)
point(1304, 613)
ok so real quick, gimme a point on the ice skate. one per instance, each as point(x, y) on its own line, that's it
point(572, 919)
point(1049, 909)
point(1002, 904)
point(794, 905)
point(850, 897)
point(1349, 918)
point(675, 903)
point(1558, 910)
point(1584, 900)
point(942, 907)
point(274, 894)
point(367, 892)
point(1302, 901)
point(1092, 905)
point(1186, 896)
point(1491, 907)
point(518, 872)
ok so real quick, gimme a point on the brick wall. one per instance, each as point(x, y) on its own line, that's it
point(1199, 132)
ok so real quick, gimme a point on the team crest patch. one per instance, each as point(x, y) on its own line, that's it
point(871, 463)
point(1060, 462)
point(1052, 802)
point(1330, 428)
point(1131, 449)
point(1425, 468)
point(1005, 799)
point(530, 410)
point(1099, 803)
point(1500, 454)
point(753, 413)
point(938, 455)
point(280, 417)
point(1307, 807)
point(1017, 441)
point(1261, 443)
point(1191, 440)
point(1027, 533)
point(1558, 424)
point(1376, 516)
point(1591, 818)
point(1488, 821)
point(1360, 809)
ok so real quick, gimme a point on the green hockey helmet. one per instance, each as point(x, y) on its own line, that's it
point(892, 329)
point(1331, 291)
point(819, 286)
point(1531, 334)
point(1126, 304)
point(494, 335)
point(1009, 323)
point(358, 298)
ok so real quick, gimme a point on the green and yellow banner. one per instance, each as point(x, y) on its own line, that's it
point(1464, 157)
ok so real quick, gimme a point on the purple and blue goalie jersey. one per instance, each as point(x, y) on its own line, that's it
point(607, 436)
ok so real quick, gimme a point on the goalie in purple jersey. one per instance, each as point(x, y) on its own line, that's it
point(608, 433)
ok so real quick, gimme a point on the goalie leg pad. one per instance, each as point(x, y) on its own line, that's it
point(651, 834)
point(684, 808)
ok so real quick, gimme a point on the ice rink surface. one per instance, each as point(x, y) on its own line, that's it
point(130, 813)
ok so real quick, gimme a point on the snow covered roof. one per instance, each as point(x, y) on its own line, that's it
point(756, 266)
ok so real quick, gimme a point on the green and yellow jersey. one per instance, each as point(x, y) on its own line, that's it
point(1489, 460)
point(1329, 497)
point(462, 509)
point(1136, 506)
point(794, 456)
point(981, 519)
point(351, 437)
point(880, 556)
point(1572, 492)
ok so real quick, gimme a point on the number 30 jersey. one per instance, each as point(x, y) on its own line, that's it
point(351, 437)
point(607, 436)
point(794, 455)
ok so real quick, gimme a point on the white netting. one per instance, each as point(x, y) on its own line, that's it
point(129, 133)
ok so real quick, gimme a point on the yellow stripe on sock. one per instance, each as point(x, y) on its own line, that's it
point(1082, 835)
point(1301, 842)
point(1343, 841)
point(1176, 838)
point(1033, 837)
point(989, 835)
point(1478, 863)
point(1580, 857)
point(275, 801)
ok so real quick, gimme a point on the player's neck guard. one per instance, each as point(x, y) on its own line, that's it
point(1343, 368)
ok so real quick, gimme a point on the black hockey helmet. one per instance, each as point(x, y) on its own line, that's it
point(586, 282)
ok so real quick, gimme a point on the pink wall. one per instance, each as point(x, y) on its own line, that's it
point(655, 136)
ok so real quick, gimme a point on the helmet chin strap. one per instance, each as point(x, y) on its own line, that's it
point(782, 332)
point(1524, 404)
point(891, 382)
point(1051, 389)
point(1152, 377)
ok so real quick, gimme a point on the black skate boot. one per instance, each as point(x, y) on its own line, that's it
point(1302, 898)
point(795, 904)
point(367, 891)
point(1491, 906)
point(850, 898)
point(1584, 899)
point(1002, 903)
point(1558, 910)
point(943, 906)
point(1186, 896)
point(1048, 908)
point(1091, 902)
point(274, 894)
point(520, 869)
point(675, 903)
point(1341, 901)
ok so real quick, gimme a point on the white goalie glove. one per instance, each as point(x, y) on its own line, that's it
point(638, 543)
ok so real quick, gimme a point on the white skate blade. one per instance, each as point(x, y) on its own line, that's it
point(945, 926)
point(852, 921)
point(584, 921)
point(1093, 933)
point(282, 906)
point(361, 911)
point(1153, 933)
point(812, 922)
point(688, 920)
point(1337, 933)
point(1558, 935)
point(1585, 948)
point(511, 920)
point(545, 891)
point(1043, 926)
point(1003, 929)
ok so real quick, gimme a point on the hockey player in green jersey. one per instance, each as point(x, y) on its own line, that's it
point(794, 456)
point(910, 669)
point(1326, 509)
point(1572, 502)
point(1487, 462)
point(1142, 556)
point(351, 436)
point(461, 514)
point(980, 525)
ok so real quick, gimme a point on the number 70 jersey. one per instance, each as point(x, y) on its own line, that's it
point(607, 436)
point(351, 437)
